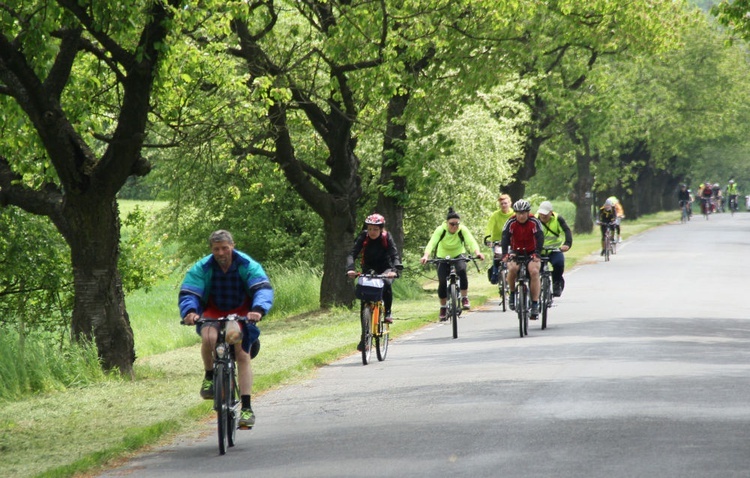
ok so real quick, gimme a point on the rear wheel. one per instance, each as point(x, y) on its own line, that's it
point(503, 288)
point(381, 340)
point(366, 334)
point(520, 306)
point(221, 390)
point(607, 241)
point(453, 308)
point(546, 298)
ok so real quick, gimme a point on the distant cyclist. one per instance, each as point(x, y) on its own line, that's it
point(523, 234)
point(706, 193)
point(557, 239)
point(607, 218)
point(495, 230)
point(380, 255)
point(684, 198)
point(619, 214)
point(732, 194)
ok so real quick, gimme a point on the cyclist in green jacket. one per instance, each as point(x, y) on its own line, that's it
point(557, 239)
point(451, 239)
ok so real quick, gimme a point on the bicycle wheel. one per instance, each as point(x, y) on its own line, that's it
point(526, 307)
point(520, 301)
point(503, 289)
point(366, 334)
point(221, 390)
point(684, 217)
point(607, 241)
point(453, 308)
point(546, 297)
point(613, 245)
point(233, 407)
point(381, 339)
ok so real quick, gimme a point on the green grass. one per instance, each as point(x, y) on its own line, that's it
point(81, 428)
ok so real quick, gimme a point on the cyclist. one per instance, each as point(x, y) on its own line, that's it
point(557, 235)
point(452, 239)
point(683, 198)
point(379, 254)
point(523, 234)
point(619, 213)
point(732, 194)
point(705, 194)
point(227, 281)
point(607, 217)
point(495, 229)
point(718, 198)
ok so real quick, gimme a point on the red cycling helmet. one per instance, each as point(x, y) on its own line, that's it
point(375, 220)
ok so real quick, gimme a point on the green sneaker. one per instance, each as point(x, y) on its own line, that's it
point(207, 389)
point(247, 419)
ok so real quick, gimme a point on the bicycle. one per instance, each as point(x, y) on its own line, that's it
point(685, 217)
point(546, 296)
point(454, 288)
point(502, 272)
point(706, 207)
point(609, 243)
point(733, 206)
point(523, 292)
point(369, 291)
point(226, 393)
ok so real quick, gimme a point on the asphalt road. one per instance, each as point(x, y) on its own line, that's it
point(642, 372)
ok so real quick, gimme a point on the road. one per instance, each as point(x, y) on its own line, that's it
point(643, 372)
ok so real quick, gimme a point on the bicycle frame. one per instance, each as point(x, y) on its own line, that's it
point(453, 284)
point(374, 328)
point(545, 296)
point(523, 293)
point(226, 394)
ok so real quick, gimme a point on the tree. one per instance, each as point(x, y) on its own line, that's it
point(75, 90)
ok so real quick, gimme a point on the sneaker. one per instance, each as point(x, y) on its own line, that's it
point(465, 303)
point(388, 319)
point(247, 419)
point(602, 253)
point(534, 310)
point(557, 289)
point(512, 301)
point(443, 314)
point(207, 389)
point(361, 345)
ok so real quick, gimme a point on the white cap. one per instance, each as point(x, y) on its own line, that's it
point(544, 208)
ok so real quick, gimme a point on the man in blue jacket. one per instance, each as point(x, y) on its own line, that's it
point(227, 281)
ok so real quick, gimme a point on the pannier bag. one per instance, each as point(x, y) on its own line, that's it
point(369, 289)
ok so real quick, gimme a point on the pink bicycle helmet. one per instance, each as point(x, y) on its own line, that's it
point(375, 220)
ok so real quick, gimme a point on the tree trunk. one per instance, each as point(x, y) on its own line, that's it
point(583, 197)
point(99, 309)
point(390, 202)
point(336, 289)
point(517, 188)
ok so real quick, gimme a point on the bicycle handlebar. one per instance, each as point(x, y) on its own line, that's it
point(227, 318)
point(454, 260)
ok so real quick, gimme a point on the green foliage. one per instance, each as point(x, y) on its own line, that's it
point(35, 274)
point(142, 260)
point(28, 364)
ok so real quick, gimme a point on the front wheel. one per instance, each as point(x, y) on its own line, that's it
point(366, 334)
point(381, 340)
point(233, 408)
point(454, 308)
point(522, 310)
point(221, 390)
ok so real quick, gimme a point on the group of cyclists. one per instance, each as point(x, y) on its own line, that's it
point(712, 198)
point(228, 281)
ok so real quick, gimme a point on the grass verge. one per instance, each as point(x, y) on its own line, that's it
point(80, 430)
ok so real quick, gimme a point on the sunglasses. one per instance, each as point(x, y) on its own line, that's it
point(454, 224)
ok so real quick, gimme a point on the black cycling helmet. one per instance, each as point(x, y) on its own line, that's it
point(522, 205)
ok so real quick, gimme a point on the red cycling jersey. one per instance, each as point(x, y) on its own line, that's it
point(523, 238)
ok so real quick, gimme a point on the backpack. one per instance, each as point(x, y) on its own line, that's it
point(383, 240)
point(460, 236)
